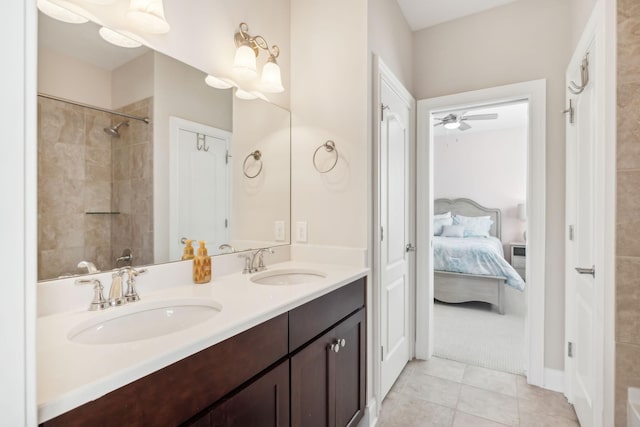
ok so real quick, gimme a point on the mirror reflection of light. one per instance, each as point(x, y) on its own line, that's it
point(169, 312)
point(100, 327)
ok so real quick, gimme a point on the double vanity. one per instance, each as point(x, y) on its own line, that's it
point(281, 347)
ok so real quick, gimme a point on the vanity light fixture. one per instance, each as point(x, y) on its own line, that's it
point(148, 16)
point(63, 11)
point(101, 2)
point(219, 82)
point(118, 38)
point(244, 64)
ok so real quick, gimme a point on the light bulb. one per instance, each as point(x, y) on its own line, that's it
point(271, 80)
point(148, 16)
point(117, 38)
point(63, 11)
point(452, 125)
point(244, 63)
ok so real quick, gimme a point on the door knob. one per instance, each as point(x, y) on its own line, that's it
point(410, 248)
point(591, 271)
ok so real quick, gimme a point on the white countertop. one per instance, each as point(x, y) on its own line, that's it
point(71, 374)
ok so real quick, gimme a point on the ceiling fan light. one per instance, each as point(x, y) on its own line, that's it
point(118, 38)
point(148, 16)
point(452, 125)
point(62, 11)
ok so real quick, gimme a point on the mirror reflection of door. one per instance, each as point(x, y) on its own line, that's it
point(200, 202)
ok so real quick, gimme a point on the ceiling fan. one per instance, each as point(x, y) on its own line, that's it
point(458, 121)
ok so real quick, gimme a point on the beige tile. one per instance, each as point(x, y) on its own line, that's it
point(488, 379)
point(467, 420)
point(61, 122)
point(488, 404)
point(399, 411)
point(59, 262)
point(98, 164)
point(60, 196)
point(95, 122)
point(628, 41)
point(537, 420)
point(628, 149)
point(121, 163)
point(627, 375)
point(57, 231)
point(61, 160)
point(441, 368)
point(627, 222)
point(628, 300)
point(433, 389)
point(97, 196)
point(536, 400)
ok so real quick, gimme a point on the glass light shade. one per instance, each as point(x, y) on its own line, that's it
point(101, 2)
point(65, 12)
point(452, 125)
point(117, 38)
point(148, 16)
point(243, 94)
point(244, 63)
point(271, 80)
point(219, 82)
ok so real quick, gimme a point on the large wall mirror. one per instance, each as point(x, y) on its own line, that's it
point(136, 153)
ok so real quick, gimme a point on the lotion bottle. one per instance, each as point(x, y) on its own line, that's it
point(202, 265)
point(188, 251)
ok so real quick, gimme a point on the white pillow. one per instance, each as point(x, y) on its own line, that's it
point(442, 216)
point(452, 231)
point(438, 223)
point(474, 226)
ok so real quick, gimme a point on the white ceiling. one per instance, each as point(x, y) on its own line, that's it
point(509, 116)
point(421, 14)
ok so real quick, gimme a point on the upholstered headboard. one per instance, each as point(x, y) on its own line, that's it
point(468, 207)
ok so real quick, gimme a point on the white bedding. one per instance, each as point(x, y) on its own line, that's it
point(474, 255)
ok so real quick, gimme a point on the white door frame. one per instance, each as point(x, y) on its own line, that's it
point(382, 72)
point(535, 93)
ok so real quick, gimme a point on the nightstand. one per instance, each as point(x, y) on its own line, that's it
point(519, 258)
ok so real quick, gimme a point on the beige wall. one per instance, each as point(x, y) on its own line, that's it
point(179, 90)
point(132, 81)
point(580, 13)
point(628, 200)
point(391, 39)
point(329, 93)
point(66, 77)
point(502, 46)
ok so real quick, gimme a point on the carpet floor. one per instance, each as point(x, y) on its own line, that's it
point(475, 334)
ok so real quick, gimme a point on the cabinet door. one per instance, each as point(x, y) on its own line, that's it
point(350, 372)
point(328, 387)
point(264, 402)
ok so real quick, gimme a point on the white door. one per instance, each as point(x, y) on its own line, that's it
point(200, 201)
point(394, 219)
point(585, 221)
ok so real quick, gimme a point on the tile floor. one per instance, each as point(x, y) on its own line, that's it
point(445, 393)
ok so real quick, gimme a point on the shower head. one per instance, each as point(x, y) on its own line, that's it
point(113, 130)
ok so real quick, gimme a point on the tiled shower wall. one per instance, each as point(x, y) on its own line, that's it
point(75, 195)
point(628, 206)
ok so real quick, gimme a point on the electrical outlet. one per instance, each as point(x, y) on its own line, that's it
point(279, 231)
point(301, 232)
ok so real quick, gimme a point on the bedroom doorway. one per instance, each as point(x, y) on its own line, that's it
point(479, 246)
point(456, 112)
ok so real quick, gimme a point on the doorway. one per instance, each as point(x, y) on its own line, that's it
point(479, 171)
point(534, 94)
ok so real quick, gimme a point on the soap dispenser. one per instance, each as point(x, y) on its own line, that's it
point(188, 250)
point(202, 265)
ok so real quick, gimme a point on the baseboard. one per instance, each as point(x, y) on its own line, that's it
point(370, 417)
point(554, 379)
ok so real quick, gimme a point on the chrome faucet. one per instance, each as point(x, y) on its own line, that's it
point(99, 302)
point(91, 268)
point(117, 295)
point(250, 260)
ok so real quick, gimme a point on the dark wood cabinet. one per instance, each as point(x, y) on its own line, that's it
point(328, 377)
point(285, 371)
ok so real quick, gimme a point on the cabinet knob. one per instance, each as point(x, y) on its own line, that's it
point(335, 347)
point(343, 342)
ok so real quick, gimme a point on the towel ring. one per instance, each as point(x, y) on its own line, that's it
point(329, 146)
point(257, 156)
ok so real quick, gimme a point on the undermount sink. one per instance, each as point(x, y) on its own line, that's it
point(288, 277)
point(142, 320)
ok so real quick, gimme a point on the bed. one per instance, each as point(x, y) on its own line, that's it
point(487, 281)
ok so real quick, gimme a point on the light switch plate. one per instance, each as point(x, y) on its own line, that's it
point(279, 231)
point(301, 232)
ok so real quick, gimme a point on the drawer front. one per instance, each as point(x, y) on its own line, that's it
point(518, 261)
point(311, 319)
